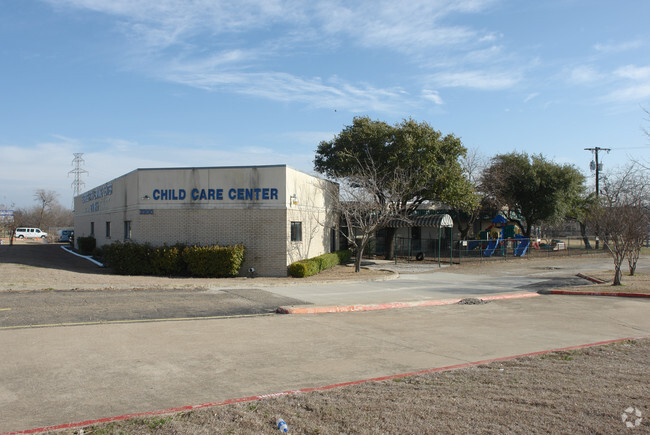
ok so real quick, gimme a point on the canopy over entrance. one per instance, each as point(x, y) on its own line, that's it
point(432, 220)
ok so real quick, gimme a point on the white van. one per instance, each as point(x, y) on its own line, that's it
point(30, 233)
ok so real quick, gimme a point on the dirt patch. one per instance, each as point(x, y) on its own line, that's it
point(472, 301)
point(592, 390)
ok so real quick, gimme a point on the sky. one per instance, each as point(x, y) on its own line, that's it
point(196, 83)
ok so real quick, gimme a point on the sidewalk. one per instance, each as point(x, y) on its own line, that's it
point(426, 284)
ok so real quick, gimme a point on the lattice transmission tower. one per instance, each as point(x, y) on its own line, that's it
point(77, 184)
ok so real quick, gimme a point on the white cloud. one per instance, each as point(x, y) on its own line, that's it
point(226, 45)
point(633, 72)
point(432, 96)
point(483, 80)
point(278, 86)
point(638, 92)
point(531, 96)
point(583, 74)
point(632, 84)
point(619, 47)
point(401, 26)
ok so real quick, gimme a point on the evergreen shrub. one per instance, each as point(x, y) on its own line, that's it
point(312, 266)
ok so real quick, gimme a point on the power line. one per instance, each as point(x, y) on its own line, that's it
point(77, 184)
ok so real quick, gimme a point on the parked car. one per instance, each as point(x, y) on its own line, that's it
point(30, 233)
point(66, 235)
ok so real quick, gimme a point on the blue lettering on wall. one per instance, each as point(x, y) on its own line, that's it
point(234, 194)
point(99, 192)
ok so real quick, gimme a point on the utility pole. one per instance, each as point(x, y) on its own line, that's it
point(595, 150)
point(597, 165)
point(77, 184)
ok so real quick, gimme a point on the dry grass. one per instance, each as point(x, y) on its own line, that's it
point(582, 391)
point(638, 284)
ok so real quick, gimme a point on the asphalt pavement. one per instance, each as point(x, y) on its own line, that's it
point(76, 307)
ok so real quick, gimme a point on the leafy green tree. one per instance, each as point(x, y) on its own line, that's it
point(411, 162)
point(531, 189)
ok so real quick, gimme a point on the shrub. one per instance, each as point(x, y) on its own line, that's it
point(177, 260)
point(214, 261)
point(312, 266)
point(86, 245)
point(303, 268)
point(168, 261)
point(129, 258)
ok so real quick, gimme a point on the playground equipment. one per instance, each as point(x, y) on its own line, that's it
point(522, 245)
point(492, 245)
point(499, 234)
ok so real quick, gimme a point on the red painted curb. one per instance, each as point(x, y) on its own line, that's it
point(391, 305)
point(308, 390)
point(578, 293)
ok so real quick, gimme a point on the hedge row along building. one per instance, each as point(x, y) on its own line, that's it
point(279, 214)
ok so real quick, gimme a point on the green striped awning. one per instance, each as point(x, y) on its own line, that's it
point(432, 220)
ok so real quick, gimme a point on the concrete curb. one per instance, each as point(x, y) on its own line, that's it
point(579, 293)
point(390, 305)
point(309, 390)
point(87, 257)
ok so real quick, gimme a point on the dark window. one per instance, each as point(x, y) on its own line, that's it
point(127, 230)
point(296, 231)
point(92, 228)
point(108, 230)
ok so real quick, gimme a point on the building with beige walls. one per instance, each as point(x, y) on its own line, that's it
point(279, 214)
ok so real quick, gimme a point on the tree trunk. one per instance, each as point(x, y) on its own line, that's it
point(632, 259)
point(464, 231)
point(617, 275)
point(357, 260)
point(583, 233)
point(389, 253)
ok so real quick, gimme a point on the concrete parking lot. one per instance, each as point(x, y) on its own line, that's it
point(63, 374)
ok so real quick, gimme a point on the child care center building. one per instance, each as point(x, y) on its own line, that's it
point(279, 214)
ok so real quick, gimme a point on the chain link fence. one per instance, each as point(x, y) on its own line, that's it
point(448, 251)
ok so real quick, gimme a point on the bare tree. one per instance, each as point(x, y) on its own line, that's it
point(473, 164)
point(622, 217)
point(367, 202)
point(45, 198)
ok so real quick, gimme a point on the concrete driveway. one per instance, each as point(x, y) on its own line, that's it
point(53, 376)
point(58, 375)
point(426, 282)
